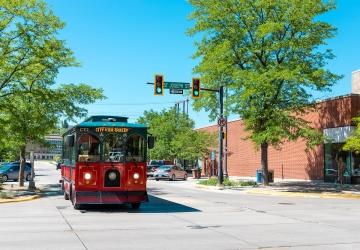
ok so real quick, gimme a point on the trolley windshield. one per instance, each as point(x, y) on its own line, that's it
point(110, 147)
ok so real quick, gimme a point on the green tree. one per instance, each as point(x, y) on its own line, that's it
point(31, 55)
point(30, 52)
point(269, 55)
point(175, 137)
point(353, 142)
point(30, 117)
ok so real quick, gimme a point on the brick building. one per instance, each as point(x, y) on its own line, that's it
point(332, 117)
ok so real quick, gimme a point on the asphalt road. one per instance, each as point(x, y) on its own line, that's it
point(180, 216)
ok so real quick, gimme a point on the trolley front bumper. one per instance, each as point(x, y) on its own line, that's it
point(111, 197)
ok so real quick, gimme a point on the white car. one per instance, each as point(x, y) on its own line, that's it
point(116, 156)
point(170, 172)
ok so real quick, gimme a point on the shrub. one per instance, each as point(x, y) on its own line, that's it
point(227, 182)
point(209, 182)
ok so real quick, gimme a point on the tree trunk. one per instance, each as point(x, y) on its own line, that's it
point(22, 166)
point(264, 163)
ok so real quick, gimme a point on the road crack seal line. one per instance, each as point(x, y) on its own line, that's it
point(71, 228)
point(290, 218)
point(309, 245)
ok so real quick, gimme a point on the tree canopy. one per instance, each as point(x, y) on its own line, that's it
point(31, 55)
point(175, 136)
point(269, 55)
point(30, 52)
point(353, 142)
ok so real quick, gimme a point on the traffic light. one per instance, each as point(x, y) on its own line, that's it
point(195, 88)
point(159, 85)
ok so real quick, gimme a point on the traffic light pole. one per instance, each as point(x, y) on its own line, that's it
point(220, 165)
point(221, 130)
point(185, 85)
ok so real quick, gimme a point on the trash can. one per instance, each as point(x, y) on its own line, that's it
point(271, 175)
point(259, 176)
point(196, 173)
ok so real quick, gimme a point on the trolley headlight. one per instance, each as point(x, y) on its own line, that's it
point(136, 176)
point(87, 176)
point(112, 176)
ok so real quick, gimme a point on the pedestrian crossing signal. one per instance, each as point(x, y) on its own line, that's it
point(159, 85)
point(195, 87)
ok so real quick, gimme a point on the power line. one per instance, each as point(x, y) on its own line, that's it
point(132, 104)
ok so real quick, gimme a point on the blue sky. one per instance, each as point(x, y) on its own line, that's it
point(121, 44)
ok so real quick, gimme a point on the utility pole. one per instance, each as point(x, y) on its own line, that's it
point(187, 107)
point(183, 107)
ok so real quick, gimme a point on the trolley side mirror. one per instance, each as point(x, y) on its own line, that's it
point(151, 142)
point(69, 140)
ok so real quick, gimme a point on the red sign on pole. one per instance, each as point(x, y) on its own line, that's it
point(221, 122)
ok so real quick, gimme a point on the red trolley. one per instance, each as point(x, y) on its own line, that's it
point(104, 162)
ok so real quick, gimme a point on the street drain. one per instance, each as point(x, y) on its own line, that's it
point(286, 203)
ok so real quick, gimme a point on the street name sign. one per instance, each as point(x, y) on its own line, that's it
point(176, 85)
point(176, 91)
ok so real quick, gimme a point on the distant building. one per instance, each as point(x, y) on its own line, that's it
point(49, 152)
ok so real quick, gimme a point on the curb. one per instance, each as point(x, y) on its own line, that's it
point(20, 199)
point(259, 191)
point(326, 195)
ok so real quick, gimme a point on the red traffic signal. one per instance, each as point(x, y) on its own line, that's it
point(159, 85)
point(195, 88)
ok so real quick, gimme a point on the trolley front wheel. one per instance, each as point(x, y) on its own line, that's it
point(135, 205)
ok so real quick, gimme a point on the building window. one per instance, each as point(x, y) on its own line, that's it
point(333, 155)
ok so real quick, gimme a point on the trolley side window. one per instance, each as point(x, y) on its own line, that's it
point(135, 149)
point(88, 148)
point(114, 150)
point(68, 151)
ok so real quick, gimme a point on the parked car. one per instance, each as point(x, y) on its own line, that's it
point(10, 171)
point(153, 165)
point(170, 172)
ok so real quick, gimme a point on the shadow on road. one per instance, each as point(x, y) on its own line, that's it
point(155, 205)
point(51, 190)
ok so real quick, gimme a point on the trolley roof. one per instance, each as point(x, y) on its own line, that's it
point(108, 121)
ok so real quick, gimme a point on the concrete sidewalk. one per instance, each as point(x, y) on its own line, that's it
point(11, 192)
point(315, 189)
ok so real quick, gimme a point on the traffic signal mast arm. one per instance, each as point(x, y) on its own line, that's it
point(221, 96)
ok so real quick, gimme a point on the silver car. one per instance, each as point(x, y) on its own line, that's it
point(10, 171)
point(170, 172)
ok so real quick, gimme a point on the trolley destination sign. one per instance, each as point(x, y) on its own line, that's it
point(105, 129)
